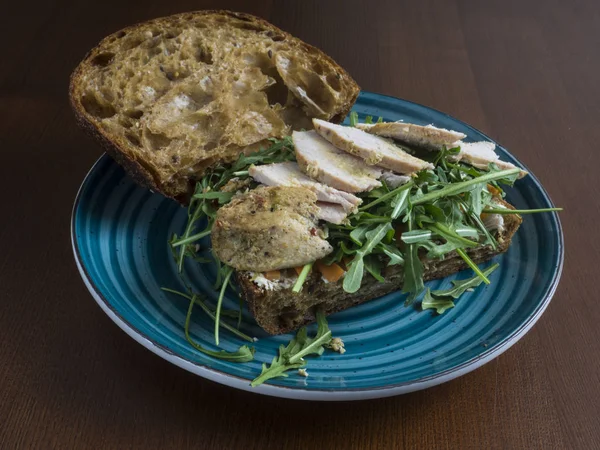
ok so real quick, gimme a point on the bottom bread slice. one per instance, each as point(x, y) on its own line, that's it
point(281, 311)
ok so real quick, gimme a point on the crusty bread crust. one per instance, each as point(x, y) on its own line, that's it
point(281, 311)
point(169, 179)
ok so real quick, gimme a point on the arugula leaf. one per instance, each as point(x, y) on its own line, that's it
point(413, 270)
point(461, 286)
point(353, 118)
point(353, 278)
point(380, 119)
point(400, 203)
point(463, 186)
point(374, 266)
point(391, 252)
point(439, 304)
point(222, 197)
point(358, 234)
point(369, 119)
point(291, 357)
point(451, 236)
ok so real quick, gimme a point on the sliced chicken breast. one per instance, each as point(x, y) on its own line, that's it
point(269, 228)
point(331, 212)
point(289, 174)
point(481, 154)
point(373, 149)
point(319, 159)
point(430, 137)
point(393, 180)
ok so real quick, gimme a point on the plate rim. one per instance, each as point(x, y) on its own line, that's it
point(325, 394)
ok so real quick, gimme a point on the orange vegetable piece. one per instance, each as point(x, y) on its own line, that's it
point(331, 273)
point(272, 275)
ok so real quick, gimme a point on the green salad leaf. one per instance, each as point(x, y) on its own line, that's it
point(441, 305)
point(291, 356)
point(461, 286)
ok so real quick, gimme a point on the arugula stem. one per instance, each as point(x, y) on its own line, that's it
point(219, 304)
point(188, 229)
point(518, 211)
point(190, 239)
point(472, 265)
point(458, 188)
point(302, 278)
point(243, 354)
point(387, 196)
point(210, 314)
point(240, 173)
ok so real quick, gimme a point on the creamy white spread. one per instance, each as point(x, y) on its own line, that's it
point(269, 285)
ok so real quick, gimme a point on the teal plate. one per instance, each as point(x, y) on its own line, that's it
point(120, 232)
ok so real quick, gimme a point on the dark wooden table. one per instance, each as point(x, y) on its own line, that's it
point(526, 73)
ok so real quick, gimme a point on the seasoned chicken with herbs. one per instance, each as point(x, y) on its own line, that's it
point(269, 228)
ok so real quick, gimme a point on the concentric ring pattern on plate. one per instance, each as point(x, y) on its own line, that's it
point(120, 234)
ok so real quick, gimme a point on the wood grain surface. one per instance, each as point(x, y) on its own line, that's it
point(525, 72)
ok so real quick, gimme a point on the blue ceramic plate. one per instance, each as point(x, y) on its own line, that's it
point(120, 233)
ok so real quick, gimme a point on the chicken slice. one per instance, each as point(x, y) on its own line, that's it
point(269, 228)
point(481, 154)
point(430, 137)
point(289, 174)
point(320, 160)
point(393, 180)
point(375, 150)
point(331, 212)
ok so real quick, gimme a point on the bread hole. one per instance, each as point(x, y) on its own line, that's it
point(132, 42)
point(125, 122)
point(103, 59)
point(156, 141)
point(133, 139)
point(200, 97)
point(134, 114)
point(153, 51)
point(210, 146)
point(204, 55)
point(93, 107)
point(171, 74)
point(121, 34)
point(248, 26)
point(318, 68)
point(172, 34)
point(277, 92)
point(333, 80)
point(275, 37)
point(200, 25)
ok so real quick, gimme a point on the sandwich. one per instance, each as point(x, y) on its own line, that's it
point(240, 121)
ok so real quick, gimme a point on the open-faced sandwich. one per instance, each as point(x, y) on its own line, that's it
point(239, 121)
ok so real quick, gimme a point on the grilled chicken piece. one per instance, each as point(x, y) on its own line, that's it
point(331, 212)
point(289, 174)
point(320, 160)
point(481, 154)
point(428, 137)
point(269, 228)
point(393, 180)
point(373, 149)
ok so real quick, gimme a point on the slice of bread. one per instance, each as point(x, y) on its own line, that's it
point(170, 97)
point(281, 311)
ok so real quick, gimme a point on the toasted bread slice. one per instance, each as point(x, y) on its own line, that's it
point(170, 97)
point(281, 311)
